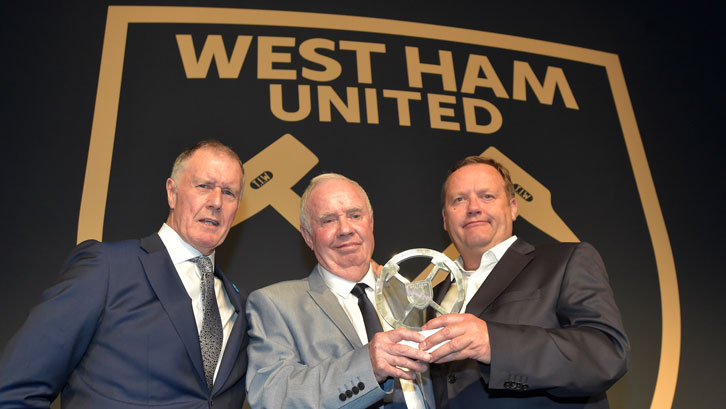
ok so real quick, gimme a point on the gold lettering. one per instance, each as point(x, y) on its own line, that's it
point(213, 49)
point(276, 105)
point(472, 80)
point(545, 93)
point(371, 105)
point(266, 57)
point(308, 50)
point(445, 69)
point(363, 57)
point(327, 97)
point(402, 99)
point(470, 105)
point(436, 111)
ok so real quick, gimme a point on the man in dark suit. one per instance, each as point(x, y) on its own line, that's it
point(540, 328)
point(143, 323)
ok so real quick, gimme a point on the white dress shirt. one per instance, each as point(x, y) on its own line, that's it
point(475, 278)
point(412, 391)
point(181, 252)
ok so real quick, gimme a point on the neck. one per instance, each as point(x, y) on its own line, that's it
point(353, 273)
point(472, 259)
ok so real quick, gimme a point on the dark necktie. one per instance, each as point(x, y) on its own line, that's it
point(370, 317)
point(373, 325)
point(210, 338)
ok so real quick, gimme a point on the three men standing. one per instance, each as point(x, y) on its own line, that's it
point(150, 322)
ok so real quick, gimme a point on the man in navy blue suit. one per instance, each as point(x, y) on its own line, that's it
point(123, 325)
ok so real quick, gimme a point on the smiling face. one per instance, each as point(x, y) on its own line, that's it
point(341, 228)
point(204, 198)
point(477, 213)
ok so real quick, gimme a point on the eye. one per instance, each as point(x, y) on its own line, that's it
point(203, 186)
point(228, 192)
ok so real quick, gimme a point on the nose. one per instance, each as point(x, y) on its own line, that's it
point(344, 227)
point(473, 207)
point(214, 200)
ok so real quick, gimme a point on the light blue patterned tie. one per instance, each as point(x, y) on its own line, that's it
point(210, 338)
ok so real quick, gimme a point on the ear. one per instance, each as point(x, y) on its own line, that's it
point(171, 192)
point(513, 208)
point(307, 237)
point(443, 215)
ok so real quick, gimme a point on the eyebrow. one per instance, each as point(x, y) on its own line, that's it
point(346, 211)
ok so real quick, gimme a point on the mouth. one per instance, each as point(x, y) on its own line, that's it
point(209, 222)
point(348, 246)
point(474, 223)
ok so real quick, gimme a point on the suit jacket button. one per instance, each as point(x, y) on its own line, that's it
point(361, 385)
point(452, 378)
point(348, 393)
point(525, 387)
point(342, 397)
point(507, 385)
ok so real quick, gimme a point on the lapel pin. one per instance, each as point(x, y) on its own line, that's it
point(235, 287)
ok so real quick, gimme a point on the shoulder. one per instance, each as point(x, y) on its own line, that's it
point(568, 248)
point(108, 246)
point(286, 297)
point(283, 288)
point(94, 249)
point(580, 256)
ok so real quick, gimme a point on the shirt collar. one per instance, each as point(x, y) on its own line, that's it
point(343, 287)
point(179, 250)
point(491, 256)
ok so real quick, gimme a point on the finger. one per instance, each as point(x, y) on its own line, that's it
point(401, 334)
point(400, 373)
point(442, 321)
point(445, 334)
point(405, 351)
point(397, 366)
point(456, 356)
point(407, 364)
point(448, 352)
point(376, 267)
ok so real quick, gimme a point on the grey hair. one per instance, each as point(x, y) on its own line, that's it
point(317, 180)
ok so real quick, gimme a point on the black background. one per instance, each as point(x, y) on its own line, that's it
point(668, 51)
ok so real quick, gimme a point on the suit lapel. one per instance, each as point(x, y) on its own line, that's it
point(512, 263)
point(328, 302)
point(173, 297)
point(239, 331)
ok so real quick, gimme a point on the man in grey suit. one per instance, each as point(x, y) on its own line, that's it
point(308, 338)
point(540, 328)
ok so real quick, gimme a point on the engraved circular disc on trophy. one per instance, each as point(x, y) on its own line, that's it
point(397, 297)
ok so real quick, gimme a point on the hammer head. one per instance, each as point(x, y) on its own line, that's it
point(272, 173)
